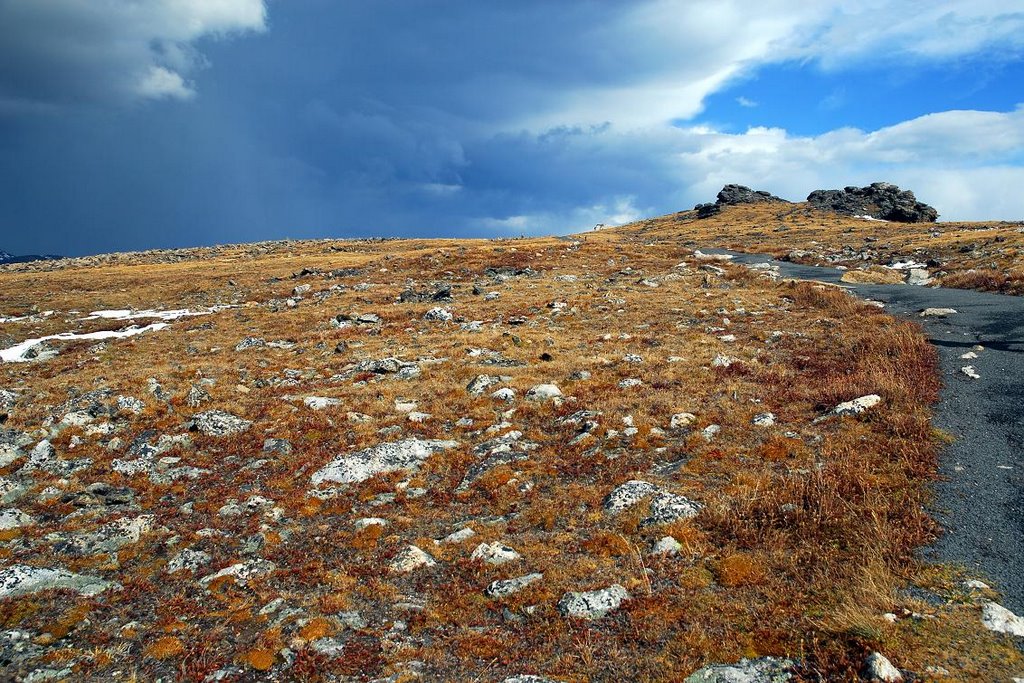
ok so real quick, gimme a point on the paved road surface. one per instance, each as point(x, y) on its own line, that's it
point(980, 500)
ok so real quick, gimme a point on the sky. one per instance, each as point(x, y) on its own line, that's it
point(137, 124)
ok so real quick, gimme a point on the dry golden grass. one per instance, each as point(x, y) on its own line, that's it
point(807, 535)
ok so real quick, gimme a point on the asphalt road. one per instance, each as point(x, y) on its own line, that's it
point(980, 498)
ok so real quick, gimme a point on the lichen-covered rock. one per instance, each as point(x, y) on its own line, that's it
point(592, 604)
point(219, 423)
point(625, 496)
point(763, 670)
point(506, 587)
point(411, 559)
point(243, 572)
point(664, 507)
point(494, 553)
point(480, 384)
point(107, 539)
point(188, 560)
point(19, 580)
point(13, 518)
point(386, 457)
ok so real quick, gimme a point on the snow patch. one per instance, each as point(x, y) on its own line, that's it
point(16, 353)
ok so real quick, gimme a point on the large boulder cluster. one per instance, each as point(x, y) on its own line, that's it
point(883, 201)
point(732, 195)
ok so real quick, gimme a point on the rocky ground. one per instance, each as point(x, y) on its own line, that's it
point(603, 458)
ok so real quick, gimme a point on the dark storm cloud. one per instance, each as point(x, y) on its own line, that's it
point(172, 122)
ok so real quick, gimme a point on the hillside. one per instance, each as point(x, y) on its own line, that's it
point(605, 457)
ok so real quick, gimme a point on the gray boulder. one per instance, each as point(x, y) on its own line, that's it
point(592, 604)
point(20, 579)
point(763, 670)
point(219, 423)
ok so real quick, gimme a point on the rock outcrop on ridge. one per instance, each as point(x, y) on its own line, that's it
point(884, 201)
point(732, 195)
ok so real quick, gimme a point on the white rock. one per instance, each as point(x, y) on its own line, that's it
point(997, 618)
point(504, 394)
point(402, 406)
point(681, 420)
point(877, 667)
point(667, 546)
point(386, 457)
point(13, 518)
point(416, 416)
point(629, 383)
point(458, 536)
point(19, 580)
point(543, 392)
point(970, 372)
point(857, 405)
point(320, 402)
point(937, 312)
point(970, 355)
point(722, 361)
point(764, 420)
point(243, 572)
point(494, 554)
point(411, 559)
point(439, 314)
point(710, 432)
point(364, 522)
point(506, 587)
point(592, 604)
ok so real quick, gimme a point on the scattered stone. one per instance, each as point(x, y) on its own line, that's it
point(277, 446)
point(506, 587)
point(630, 383)
point(857, 405)
point(188, 560)
point(504, 394)
point(130, 404)
point(997, 618)
point(667, 546)
point(439, 315)
point(386, 457)
point(243, 572)
point(722, 361)
point(918, 277)
point(19, 579)
point(410, 559)
point(458, 536)
point(13, 518)
point(197, 396)
point(682, 420)
point(764, 420)
point(543, 392)
point(763, 670)
point(219, 423)
point(250, 343)
point(320, 402)
point(970, 372)
point(592, 604)
point(937, 312)
point(494, 554)
point(664, 507)
point(877, 667)
point(481, 383)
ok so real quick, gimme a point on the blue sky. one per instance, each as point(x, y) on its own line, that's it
point(133, 124)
